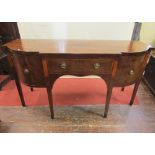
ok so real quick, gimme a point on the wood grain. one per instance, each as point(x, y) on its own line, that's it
point(77, 46)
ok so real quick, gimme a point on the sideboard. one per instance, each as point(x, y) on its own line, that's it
point(38, 63)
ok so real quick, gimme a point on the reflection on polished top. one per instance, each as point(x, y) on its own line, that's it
point(77, 46)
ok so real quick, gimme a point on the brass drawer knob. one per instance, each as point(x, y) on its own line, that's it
point(26, 71)
point(97, 65)
point(63, 65)
point(131, 72)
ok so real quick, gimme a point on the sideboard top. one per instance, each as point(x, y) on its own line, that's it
point(77, 46)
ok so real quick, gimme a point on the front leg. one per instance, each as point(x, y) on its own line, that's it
point(20, 92)
point(109, 92)
point(49, 86)
point(134, 92)
point(50, 99)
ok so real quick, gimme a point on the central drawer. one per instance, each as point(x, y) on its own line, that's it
point(80, 66)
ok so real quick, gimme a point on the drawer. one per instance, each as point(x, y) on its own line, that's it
point(80, 66)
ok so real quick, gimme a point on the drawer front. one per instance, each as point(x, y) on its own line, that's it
point(80, 66)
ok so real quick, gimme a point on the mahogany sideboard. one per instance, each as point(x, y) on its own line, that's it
point(38, 63)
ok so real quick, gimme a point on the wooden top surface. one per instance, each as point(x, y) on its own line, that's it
point(77, 46)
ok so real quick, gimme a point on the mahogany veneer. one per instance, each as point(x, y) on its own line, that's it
point(119, 63)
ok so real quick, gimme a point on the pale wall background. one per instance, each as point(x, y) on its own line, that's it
point(148, 33)
point(77, 30)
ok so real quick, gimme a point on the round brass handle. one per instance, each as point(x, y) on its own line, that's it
point(97, 65)
point(63, 65)
point(26, 71)
point(131, 72)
